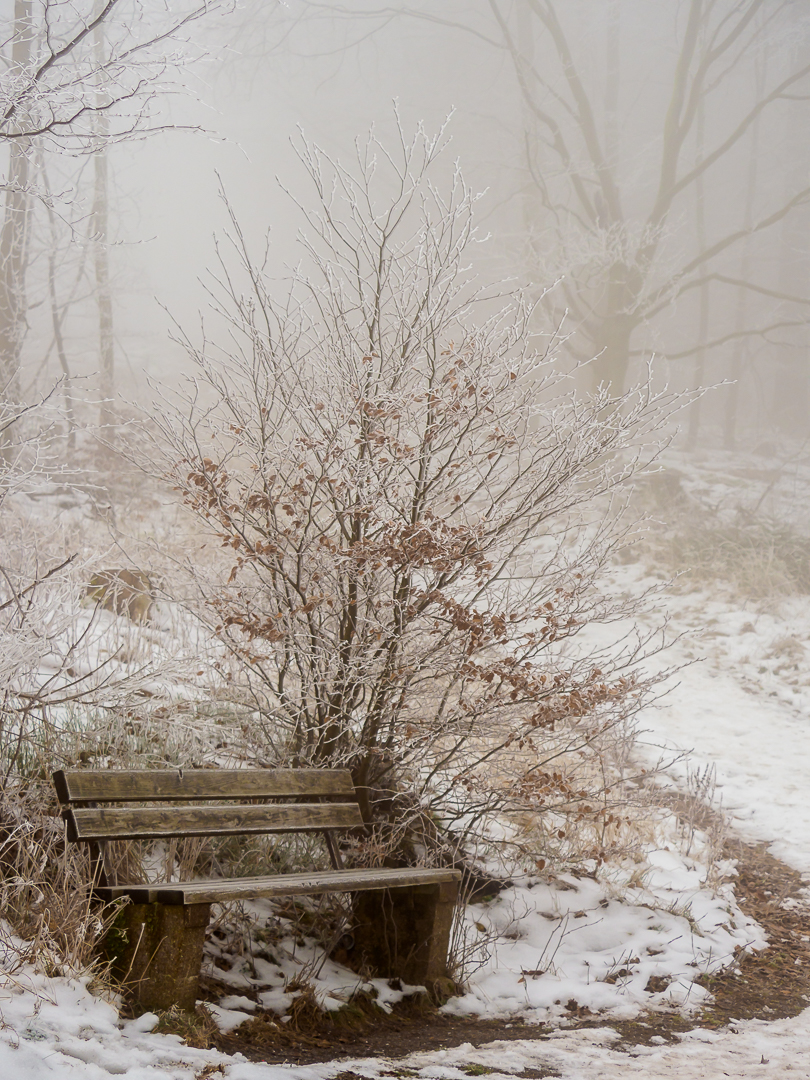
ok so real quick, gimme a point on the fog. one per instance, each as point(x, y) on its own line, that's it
point(652, 159)
point(343, 345)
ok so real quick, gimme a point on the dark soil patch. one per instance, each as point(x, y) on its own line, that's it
point(769, 984)
point(774, 982)
point(364, 1030)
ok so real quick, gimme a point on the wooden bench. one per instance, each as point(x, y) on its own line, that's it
point(401, 917)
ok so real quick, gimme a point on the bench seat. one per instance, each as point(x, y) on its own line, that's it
point(220, 891)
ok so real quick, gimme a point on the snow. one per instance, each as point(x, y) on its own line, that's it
point(572, 935)
point(740, 710)
point(72, 1034)
point(744, 710)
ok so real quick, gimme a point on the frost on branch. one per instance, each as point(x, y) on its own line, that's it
point(80, 74)
point(413, 511)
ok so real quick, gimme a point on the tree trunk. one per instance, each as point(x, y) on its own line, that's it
point(699, 371)
point(790, 402)
point(740, 351)
point(529, 200)
point(612, 80)
point(14, 231)
point(101, 235)
point(612, 365)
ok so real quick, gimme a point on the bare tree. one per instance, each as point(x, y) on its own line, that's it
point(413, 507)
point(101, 238)
point(611, 223)
point(13, 235)
point(580, 185)
point(74, 79)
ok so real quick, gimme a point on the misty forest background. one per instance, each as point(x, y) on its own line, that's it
point(644, 171)
point(652, 158)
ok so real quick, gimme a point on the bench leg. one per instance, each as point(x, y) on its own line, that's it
point(405, 932)
point(156, 950)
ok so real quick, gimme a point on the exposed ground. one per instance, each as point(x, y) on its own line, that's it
point(767, 985)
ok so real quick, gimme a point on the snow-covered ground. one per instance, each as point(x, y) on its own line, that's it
point(742, 709)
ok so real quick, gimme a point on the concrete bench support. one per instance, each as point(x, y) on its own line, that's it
point(405, 932)
point(156, 950)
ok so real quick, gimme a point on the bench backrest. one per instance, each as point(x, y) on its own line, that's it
point(292, 800)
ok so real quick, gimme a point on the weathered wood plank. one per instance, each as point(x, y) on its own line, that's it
point(148, 823)
point(307, 884)
point(121, 785)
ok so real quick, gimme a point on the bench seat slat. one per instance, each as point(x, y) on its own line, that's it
point(121, 785)
point(307, 884)
point(155, 822)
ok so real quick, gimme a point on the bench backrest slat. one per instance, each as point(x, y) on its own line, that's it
point(119, 785)
point(153, 822)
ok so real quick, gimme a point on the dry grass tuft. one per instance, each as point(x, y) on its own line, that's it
point(762, 556)
point(197, 1029)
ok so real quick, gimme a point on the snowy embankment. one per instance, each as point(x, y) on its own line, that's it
point(744, 708)
point(741, 710)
